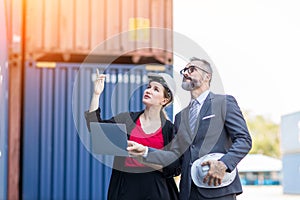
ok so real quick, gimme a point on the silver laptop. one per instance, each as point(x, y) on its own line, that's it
point(109, 139)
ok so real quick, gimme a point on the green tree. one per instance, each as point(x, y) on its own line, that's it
point(265, 135)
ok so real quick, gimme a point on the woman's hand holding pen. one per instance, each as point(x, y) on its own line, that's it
point(99, 83)
point(98, 89)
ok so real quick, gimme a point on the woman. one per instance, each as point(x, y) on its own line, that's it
point(131, 178)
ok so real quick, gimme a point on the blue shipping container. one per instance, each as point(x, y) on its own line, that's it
point(3, 103)
point(290, 133)
point(291, 173)
point(56, 160)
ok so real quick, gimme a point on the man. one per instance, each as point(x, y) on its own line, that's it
point(219, 127)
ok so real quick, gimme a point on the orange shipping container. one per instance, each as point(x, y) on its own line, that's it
point(67, 27)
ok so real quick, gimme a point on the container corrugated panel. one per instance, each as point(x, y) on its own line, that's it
point(291, 173)
point(78, 26)
point(290, 133)
point(13, 10)
point(56, 160)
point(3, 104)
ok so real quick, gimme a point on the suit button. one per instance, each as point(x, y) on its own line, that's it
point(193, 146)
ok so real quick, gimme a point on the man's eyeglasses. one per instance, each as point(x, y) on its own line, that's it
point(191, 69)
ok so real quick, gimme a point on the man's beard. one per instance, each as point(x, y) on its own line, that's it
point(190, 85)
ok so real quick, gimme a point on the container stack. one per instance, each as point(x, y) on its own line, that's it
point(53, 49)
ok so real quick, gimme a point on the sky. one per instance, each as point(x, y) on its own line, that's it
point(255, 46)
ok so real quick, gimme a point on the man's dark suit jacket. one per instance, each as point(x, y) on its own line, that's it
point(221, 129)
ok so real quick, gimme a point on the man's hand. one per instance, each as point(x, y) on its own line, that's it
point(216, 173)
point(135, 149)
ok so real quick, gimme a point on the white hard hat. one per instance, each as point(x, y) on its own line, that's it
point(198, 172)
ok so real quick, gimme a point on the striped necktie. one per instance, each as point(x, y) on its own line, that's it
point(194, 112)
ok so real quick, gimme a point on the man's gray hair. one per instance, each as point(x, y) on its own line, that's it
point(205, 62)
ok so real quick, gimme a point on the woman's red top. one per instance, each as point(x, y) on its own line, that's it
point(154, 140)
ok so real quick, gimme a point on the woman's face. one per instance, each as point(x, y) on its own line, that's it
point(154, 94)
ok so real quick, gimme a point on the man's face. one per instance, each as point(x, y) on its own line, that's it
point(193, 75)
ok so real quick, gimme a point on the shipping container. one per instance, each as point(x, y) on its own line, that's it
point(72, 29)
point(14, 15)
point(290, 133)
point(291, 173)
point(290, 146)
point(3, 103)
point(68, 29)
point(121, 31)
point(57, 163)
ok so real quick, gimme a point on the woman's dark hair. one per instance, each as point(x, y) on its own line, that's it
point(168, 95)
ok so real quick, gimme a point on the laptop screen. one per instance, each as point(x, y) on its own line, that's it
point(109, 139)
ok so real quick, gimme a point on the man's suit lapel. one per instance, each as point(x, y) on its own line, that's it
point(207, 104)
point(210, 130)
point(204, 110)
point(186, 120)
